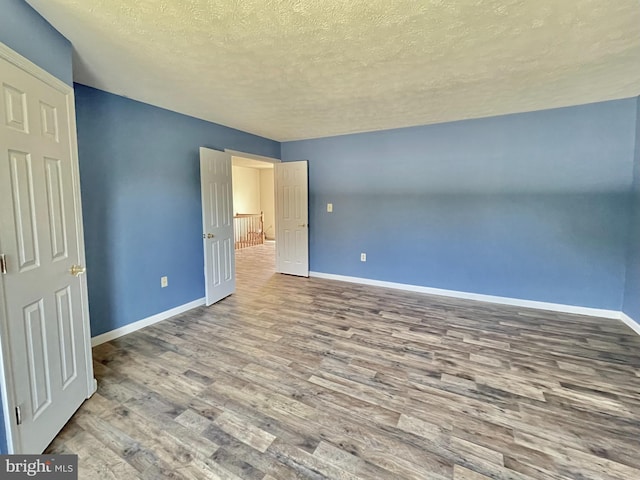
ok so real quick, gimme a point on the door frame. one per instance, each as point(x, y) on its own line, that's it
point(253, 156)
point(261, 158)
point(7, 385)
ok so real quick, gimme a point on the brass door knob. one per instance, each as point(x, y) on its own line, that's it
point(77, 270)
point(210, 235)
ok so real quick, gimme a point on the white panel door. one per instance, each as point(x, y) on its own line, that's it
point(46, 352)
point(292, 218)
point(217, 224)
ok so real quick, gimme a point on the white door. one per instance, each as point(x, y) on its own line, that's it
point(292, 218)
point(217, 224)
point(45, 321)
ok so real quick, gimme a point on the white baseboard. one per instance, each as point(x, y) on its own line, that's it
point(517, 302)
point(554, 307)
point(145, 322)
point(630, 322)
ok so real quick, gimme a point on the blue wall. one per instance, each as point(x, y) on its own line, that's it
point(140, 177)
point(532, 206)
point(632, 288)
point(25, 31)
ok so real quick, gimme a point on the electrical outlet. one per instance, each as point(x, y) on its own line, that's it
point(164, 282)
point(363, 257)
point(329, 207)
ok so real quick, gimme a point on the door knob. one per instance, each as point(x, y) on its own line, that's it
point(210, 235)
point(77, 270)
point(302, 225)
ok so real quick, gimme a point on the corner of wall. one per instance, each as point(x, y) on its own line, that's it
point(630, 302)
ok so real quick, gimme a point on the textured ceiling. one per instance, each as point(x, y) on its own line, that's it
point(292, 69)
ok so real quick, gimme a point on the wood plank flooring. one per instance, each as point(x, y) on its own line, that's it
point(295, 378)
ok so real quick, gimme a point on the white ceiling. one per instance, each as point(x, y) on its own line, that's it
point(292, 69)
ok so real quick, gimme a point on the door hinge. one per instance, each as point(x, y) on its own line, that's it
point(18, 415)
point(3, 264)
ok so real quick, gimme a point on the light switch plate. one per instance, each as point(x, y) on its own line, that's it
point(329, 207)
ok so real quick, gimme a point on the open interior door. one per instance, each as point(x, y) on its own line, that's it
point(44, 316)
point(217, 224)
point(292, 218)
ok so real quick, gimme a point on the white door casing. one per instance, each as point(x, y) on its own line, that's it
point(217, 224)
point(44, 316)
point(292, 218)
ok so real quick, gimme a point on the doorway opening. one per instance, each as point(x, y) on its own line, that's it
point(253, 217)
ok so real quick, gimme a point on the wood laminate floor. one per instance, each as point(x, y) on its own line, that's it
point(308, 378)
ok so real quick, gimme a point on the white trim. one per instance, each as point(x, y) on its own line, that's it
point(236, 153)
point(517, 302)
point(6, 379)
point(34, 70)
point(145, 322)
point(630, 322)
point(77, 198)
